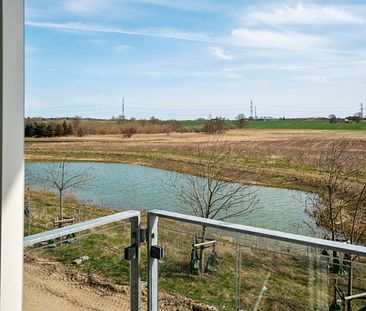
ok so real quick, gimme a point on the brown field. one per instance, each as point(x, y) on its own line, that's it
point(280, 158)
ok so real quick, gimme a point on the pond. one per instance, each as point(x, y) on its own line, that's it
point(129, 186)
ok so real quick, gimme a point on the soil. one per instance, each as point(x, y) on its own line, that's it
point(57, 287)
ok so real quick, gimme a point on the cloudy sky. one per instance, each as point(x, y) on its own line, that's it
point(190, 58)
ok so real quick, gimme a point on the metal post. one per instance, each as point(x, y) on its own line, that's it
point(135, 283)
point(29, 201)
point(153, 301)
point(238, 275)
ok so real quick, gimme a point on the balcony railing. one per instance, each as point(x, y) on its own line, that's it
point(235, 267)
point(256, 269)
point(65, 232)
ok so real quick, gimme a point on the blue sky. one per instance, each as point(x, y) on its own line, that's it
point(187, 59)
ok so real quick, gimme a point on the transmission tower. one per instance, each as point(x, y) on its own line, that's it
point(361, 110)
point(255, 112)
point(123, 109)
point(251, 109)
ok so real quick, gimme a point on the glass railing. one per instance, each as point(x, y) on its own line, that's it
point(83, 266)
point(236, 267)
point(192, 264)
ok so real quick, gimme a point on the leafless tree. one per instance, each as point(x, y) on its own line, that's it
point(339, 207)
point(61, 177)
point(207, 194)
point(240, 118)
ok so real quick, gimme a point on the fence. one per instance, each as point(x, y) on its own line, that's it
point(249, 268)
point(65, 232)
point(226, 266)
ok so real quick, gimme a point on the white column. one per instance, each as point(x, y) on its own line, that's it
point(11, 155)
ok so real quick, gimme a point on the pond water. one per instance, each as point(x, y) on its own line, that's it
point(128, 186)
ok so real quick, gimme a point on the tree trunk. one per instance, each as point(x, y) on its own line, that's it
point(202, 255)
point(61, 206)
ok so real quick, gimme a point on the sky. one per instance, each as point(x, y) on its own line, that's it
point(187, 59)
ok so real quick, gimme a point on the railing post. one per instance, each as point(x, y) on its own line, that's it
point(153, 298)
point(135, 284)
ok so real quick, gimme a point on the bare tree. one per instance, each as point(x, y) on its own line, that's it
point(240, 118)
point(208, 195)
point(339, 207)
point(61, 177)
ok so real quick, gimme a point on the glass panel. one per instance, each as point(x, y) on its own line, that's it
point(186, 280)
point(82, 271)
point(243, 272)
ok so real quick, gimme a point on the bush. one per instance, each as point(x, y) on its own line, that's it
point(214, 126)
point(128, 131)
point(81, 132)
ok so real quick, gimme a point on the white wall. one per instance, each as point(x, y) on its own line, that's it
point(11, 156)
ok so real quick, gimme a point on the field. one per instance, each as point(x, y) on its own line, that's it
point(313, 124)
point(273, 157)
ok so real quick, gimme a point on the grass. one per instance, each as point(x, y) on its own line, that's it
point(282, 158)
point(305, 124)
point(313, 124)
point(294, 276)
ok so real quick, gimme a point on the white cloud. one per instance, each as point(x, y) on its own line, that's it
point(320, 79)
point(120, 48)
point(291, 41)
point(186, 5)
point(87, 6)
point(309, 14)
point(98, 42)
point(30, 49)
point(162, 33)
point(220, 53)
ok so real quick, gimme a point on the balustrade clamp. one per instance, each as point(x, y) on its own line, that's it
point(143, 235)
point(157, 252)
point(130, 252)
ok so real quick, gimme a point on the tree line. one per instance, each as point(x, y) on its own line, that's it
point(49, 129)
point(79, 127)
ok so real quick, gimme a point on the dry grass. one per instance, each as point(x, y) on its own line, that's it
point(280, 158)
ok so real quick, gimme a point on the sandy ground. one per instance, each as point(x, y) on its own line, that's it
point(52, 286)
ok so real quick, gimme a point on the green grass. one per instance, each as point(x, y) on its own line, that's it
point(305, 124)
point(313, 124)
point(289, 286)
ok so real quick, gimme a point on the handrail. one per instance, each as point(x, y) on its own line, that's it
point(265, 233)
point(133, 216)
point(56, 233)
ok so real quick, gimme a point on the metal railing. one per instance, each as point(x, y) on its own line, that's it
point(133, 216)
point(154, 215)
point(154, 251)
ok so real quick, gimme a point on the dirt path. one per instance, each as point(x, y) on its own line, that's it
point(54, 286)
